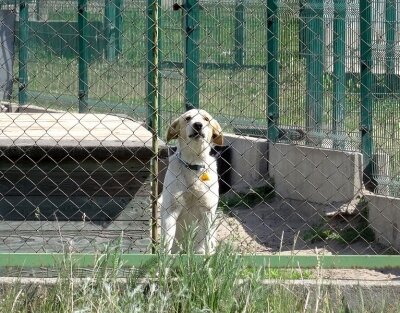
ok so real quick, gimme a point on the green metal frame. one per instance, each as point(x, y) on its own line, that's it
point(118, 26)
point(109, 29)
point(83, 59)
point(390, 21)
point(240, 21)
point(23, 52)
point(33, 260)
point(366, 88)
point(339, 71)
point(315, 41)
point(272, 70)
point(191, 24)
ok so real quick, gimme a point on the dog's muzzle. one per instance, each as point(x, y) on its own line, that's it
point(197, 130)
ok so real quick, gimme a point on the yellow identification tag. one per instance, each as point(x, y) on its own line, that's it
point(204, 176)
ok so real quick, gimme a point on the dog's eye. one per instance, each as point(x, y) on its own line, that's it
point(188, 118)
point(206, 119)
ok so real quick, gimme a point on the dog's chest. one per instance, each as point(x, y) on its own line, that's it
point(201, 188)
point(193, 187)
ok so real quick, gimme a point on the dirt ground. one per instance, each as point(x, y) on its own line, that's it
point(284, 227)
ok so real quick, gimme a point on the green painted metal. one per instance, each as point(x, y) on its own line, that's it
point(339, 71)
point(314, 52)
point(366, 88)
point(191, 24)
point(240, 21)
point(118, 26)
point(272, 96)
point(109, 29)
point(32, 260)
point(390, 21)
point(23, 52)
point(83, 58)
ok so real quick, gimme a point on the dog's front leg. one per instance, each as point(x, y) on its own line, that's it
point(168, 227)
point(206, 236)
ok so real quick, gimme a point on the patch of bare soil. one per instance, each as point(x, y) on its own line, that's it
point(288, 227)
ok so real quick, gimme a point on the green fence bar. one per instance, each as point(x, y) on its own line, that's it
point(390, 24)
point(339, 72)
point(118, 26)
point(314, 40)
point(366, 89)
point(109, 29)
point(83, 58)
point(191, 26)
point(272, 70)
point(240, 21)
point(23, 52)
point(84, 260)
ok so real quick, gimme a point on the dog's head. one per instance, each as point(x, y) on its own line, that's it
point(196, 125)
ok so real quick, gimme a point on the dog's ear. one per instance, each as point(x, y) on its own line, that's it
point(217, 137)
point(173, 130)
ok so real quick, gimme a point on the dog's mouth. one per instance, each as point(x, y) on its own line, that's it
point(197, 135)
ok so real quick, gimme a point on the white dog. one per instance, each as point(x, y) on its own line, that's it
point(190, 192)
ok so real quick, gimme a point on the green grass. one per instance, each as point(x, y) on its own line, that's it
point(218, 283)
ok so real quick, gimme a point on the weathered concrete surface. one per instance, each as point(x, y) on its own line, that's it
point(248, 160)
point(315, 174)
point(384, 218)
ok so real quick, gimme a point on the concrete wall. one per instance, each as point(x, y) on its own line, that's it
point(299, 173)
point(315, 174)
point(384, 218)
point(248, 161)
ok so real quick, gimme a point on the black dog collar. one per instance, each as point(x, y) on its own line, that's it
point(193, 167)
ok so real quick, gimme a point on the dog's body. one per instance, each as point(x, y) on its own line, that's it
point(190, 192)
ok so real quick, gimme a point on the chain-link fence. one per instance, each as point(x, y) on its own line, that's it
point(306, 93)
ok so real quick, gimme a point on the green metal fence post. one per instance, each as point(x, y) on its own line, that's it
point(239, 33)
point(23, 52)
point(83, 58)
point(314, 40)
point(109, 29)
point(192, 53)
point(153, 93)
point(366, 89)
point(339, 75)
point(118, 26)
point(272, 70)
point(390, 21)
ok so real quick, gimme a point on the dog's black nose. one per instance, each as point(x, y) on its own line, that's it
point(197, 126)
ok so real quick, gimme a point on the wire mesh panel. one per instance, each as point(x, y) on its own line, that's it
point(295, 149)
point(74, 181)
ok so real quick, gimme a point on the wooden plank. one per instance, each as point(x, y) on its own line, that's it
point(59, 183)
point(89, 164)
point(71, 208)
point(66, 129)
point(79, 241)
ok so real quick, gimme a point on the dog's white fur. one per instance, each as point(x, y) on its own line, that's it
point(188, 198)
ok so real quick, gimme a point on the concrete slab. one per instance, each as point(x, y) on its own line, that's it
point(315, 174)
point(248, 161)
point(384, 218)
